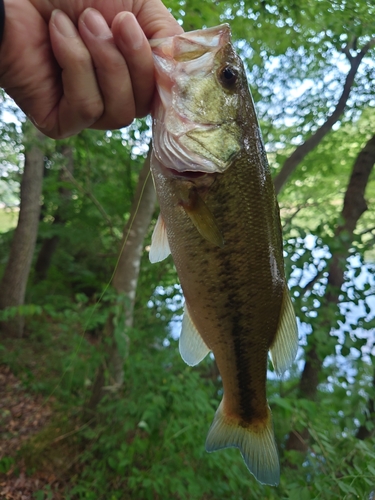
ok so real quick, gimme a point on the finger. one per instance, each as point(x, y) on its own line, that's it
point(19, 58)
point(111, 71)
point(152, 15)
point(134, 46)
point(81, 103)
point(156, 20)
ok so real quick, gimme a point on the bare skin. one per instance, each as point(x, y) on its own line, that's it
point(75, 64)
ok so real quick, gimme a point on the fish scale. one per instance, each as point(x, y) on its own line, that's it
point(243, 277)
point(220, 220)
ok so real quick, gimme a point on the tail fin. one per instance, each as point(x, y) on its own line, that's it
point(257, 445)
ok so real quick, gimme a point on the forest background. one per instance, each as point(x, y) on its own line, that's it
point(96, 402)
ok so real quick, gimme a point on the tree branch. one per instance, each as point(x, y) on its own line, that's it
point(302, 151)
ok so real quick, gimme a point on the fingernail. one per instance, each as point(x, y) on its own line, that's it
point(63, 24)
point(132, 31)
point(96, 23)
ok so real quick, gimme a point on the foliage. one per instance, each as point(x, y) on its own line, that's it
point(145, 440)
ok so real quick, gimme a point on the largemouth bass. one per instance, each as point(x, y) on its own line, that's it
point(220, 220)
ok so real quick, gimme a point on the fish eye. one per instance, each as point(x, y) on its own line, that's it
point(228, 76)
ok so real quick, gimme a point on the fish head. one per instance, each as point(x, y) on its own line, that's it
point(199, 106)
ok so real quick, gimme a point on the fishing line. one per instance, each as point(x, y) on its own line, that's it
point(147, 159)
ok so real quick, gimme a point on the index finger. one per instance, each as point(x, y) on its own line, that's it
point(155, 19)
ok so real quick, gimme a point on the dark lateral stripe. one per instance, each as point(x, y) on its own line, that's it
point(248, 410)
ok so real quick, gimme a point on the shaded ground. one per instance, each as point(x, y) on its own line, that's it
point(22, 416)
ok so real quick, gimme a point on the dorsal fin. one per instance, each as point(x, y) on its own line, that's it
point(284, 347)
point(191, 345)
point(159, 249)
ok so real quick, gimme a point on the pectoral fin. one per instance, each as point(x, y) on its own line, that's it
point(201, 217)
point(284, 347)
point(159, 242)
point(191, 345)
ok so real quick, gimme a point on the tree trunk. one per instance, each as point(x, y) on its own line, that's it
point(49, 245)
point(125, 282)
point(14, 281)
point(354, 206)
point(365, 431)
point(312, 142)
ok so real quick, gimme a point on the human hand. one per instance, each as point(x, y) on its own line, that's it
point(78, 67)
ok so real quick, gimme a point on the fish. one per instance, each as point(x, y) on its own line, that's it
point(219, 218)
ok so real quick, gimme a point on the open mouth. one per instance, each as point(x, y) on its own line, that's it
point(187, 174)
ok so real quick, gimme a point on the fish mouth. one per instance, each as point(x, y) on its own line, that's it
point(187, 148)
point(187, 174)
point(201, 180)
point(192, 45)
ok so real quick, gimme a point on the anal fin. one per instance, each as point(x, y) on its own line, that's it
point(159, 242)
point(284, 347)
point(191, 345)
point(256, 444)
